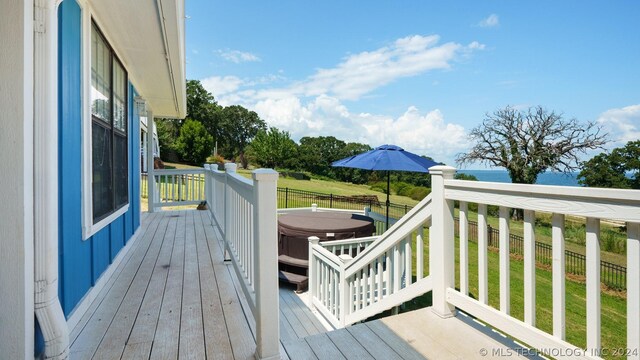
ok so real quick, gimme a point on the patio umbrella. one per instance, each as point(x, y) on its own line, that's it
point(387, 158)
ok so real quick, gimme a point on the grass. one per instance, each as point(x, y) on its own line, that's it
point(613, 320)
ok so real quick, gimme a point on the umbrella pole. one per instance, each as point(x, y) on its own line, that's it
point(388, 203)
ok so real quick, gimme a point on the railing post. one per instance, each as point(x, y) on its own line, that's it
point(314, 207)
point(344, 291)
point(151, 179)
point(229, 168)
point(313, 240)
point(286, 198)
point(441, 254)
point(265, 234)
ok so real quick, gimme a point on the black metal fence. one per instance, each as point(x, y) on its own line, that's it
point(292, 198)
point(612, 275)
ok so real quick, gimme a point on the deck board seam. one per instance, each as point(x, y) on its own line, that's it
point(165, 224)
point(128, 287)
point(107, 288)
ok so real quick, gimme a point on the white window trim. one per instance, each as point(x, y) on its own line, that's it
point(89, 228)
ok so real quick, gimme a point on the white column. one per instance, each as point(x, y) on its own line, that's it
point(16, 154)
point(313, 240)
point(151, 181)
point(266, 256)
point(441, 254)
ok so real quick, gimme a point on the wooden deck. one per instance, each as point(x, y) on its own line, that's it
point(172, 296)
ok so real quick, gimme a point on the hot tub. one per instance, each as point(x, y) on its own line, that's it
point(295, 229)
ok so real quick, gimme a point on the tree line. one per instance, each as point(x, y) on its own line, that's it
point(524, 142)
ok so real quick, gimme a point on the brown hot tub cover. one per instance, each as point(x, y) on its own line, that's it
point(294, 230)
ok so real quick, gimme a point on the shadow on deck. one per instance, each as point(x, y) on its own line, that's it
point(172, 296)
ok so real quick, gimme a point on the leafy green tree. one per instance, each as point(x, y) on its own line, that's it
point(238, 126)
point(611, 170)
point(527, 143)
point(194, 143)
point(202, 107)
point(317, 153)
point(273, 148)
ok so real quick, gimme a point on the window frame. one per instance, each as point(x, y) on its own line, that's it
point(90, 225)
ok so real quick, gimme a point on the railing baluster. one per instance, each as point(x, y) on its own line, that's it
point(408, 259)
point(529, 248)
point(372, 283)
point(505, 303)
point(633, 288)
point(396, 268)
point(419, 255)
point(593, 284)
point(380, 276)
point(483, 294)
point(558, 281)
point(464, 248)
point(365, 283)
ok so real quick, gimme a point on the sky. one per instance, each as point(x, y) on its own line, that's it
point(418, 74)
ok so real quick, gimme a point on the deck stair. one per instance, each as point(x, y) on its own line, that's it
point(348, 290)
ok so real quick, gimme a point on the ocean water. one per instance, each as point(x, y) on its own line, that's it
point(546, 178)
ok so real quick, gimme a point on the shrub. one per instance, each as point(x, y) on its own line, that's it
point(419, 192)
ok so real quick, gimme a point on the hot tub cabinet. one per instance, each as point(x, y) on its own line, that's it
point(295, 229)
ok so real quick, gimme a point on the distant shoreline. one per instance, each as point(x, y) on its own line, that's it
point(546, 178)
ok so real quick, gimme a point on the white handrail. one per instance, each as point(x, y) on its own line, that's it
point(177, 187)
point(380, 275)
point(590, 203)
point(245, 212)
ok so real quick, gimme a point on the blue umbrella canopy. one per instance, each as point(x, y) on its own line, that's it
point(387, 158)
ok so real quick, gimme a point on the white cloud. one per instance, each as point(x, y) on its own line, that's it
point(491, 21)
point(425, 134)
point(364, 72)
point(314, 106)
point(623, 124)
point(238, 56)
point(218, 85)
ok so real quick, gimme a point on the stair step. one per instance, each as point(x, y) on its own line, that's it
point(301, 281)
point(288, 260)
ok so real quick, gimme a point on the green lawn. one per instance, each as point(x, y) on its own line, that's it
point(613, 307)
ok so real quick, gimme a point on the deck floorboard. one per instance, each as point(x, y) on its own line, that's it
point(173, 297)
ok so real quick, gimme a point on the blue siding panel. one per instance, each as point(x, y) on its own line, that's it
point(116, 238)
point(74, 254)
point(82, 262)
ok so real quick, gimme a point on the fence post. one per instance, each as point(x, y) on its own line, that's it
point(265, 235)
point(441, 254)
point(330, 201)
point(286, 198)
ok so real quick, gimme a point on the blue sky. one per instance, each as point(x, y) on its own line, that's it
point(419, 74)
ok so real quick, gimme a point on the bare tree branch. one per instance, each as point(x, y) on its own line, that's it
point(527, 143)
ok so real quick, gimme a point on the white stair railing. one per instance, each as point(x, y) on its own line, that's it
point(346, 290)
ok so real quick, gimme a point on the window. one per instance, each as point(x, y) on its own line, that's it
point(109, 152)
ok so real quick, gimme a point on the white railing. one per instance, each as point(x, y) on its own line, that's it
point(177, 187)
point(346, 290)
point(245, 212)
point(592, 204)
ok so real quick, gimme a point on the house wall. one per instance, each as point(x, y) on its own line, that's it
point(16, 180)
point(82, 262)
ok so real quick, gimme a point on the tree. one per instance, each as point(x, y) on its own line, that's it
point(273, 148)
point(194, 143)
point(527, 143)
point(612, 170)
point(317, 153)
point(202, 107)
point(238, 127)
